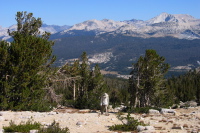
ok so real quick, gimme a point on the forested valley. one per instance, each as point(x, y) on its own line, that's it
point(29, 81)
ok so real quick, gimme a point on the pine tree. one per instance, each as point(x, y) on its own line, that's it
point(91, 85)
point(28, 58)
point(147, 78)
point(96, 88)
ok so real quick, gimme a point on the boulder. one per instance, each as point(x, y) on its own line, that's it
point(153, 111)
point(52, 113)
point(2, 113)
point(163, 111)
point(1, 130)
point(191, 103)
point(150, 128)
point(2, 118)
point(140, 128)
point(182, 104)
point(33, 131)
point(175, 106)
point(188, 104)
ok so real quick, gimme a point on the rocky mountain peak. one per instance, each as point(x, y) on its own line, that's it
point(105, 25)
point(176, 25)
point(184, 18)
point(163, 17)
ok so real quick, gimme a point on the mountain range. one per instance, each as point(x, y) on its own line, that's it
point(179, 25)
point(49, 28)
point(115, 45)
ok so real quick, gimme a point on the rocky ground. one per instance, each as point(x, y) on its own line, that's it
point(86, 121)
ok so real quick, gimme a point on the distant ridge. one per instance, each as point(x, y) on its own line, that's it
point(180, 26)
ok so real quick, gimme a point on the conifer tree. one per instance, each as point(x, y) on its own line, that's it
point(147, 78)
point(96, 87)
point(27, 59)
point(91, 85)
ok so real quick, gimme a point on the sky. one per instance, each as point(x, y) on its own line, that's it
point(70, 12)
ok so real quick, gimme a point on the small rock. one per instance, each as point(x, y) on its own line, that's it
point(33, 131)
point(194, 131)
point(185, 126)
point(149, 128)
point(140, 128)
point(80, 123)
point(113, 119)
point(178, 127)
point(1, 118)
point(1, 131)
point(52, 113)
point(84, 111)
point(125, 121)
point(158, 127)
point(171, 121)
point(174, 106)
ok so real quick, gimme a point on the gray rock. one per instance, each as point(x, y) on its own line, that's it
point(2, 113)
point(188, 104)
point(144, 128)
point(140, 128)
point(80, 123)
point(178, 127)
point(2, 118)
point(149, 128)
point(153, 111)
point(1, 130)
point(174, 106)
point(163, 111)
point(191, 103)
point(33, 131)
point(52, 113)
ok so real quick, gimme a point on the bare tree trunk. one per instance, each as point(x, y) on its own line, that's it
point(136, 101)
point(137, 92)
point(146, 100)
point(78, 90)
point(74, 96)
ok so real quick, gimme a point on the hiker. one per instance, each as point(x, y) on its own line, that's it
point(104, 103)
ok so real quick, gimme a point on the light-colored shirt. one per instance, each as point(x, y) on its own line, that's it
point(104, 100)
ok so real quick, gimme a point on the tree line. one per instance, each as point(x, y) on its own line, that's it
point(28, 81)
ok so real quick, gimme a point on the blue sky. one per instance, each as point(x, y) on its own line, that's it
point(70, 12)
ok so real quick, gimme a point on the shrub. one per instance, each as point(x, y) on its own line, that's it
point(22, 127)
point(53, 128)
point(29, 125)
point(142, 110)
point(130, 125)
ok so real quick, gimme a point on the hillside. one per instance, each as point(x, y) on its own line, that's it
point(118, 52)
point(115, 45)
